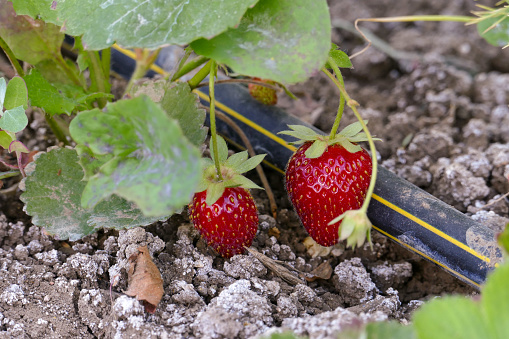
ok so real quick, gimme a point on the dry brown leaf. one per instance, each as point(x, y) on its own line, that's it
point(323, 271)
point(144, 280)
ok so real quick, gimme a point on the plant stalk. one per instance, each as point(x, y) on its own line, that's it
point(353, 105)
point(57, 129)
point(12, 58)
point(200, 75)
point(213, 132)
point(188, 67)
point(341, 107)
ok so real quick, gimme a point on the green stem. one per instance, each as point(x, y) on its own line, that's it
point(143, 64)
point(353, 105)
point(342, 100)
point(200, 75)
point(213, 133)
point(71, 73)
point(106, 64)
point(183, 60)
point(97, 76)
point(188, 67)
point(12, 58)
point(413, 18)
point(57, 128)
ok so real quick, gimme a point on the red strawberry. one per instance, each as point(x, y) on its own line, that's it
point(265, 95)
point(222, 210)
point(229, 224)
point(325, 178)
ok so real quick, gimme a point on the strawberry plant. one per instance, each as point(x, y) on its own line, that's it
point(135, 159)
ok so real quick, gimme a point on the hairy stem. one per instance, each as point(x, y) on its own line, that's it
point(57, 128)
point(353, 105)
point(200, 75)
point(213, 132)
point(12, 57)
point(188, 67)
point(341, 107)
point(252, 153)
point(99, 81)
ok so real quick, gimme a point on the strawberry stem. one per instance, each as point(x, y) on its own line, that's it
point(213, 133)
point(341, 107)
point(353, 105)
point(12, 58)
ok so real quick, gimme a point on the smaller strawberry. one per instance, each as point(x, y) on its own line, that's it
point(265, 95)
point(223, 211)
point(326, 178)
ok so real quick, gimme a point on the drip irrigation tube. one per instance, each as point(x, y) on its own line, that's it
point(399, 210)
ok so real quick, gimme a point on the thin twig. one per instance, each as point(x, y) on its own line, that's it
point(496, 200)
point(278, 270)
point(252, 153)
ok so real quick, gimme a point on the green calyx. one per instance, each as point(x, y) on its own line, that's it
point(355, 228)
point(348, 138)
point(231, 171)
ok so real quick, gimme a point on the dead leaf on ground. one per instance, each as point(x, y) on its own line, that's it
point(144, 280)
point(323, 271)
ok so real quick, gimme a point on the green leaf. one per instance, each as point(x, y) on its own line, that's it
point(352, 148)
point(46, 96)
point(214, 192)
point(499, 34)
point(340, 58)
point(153, 164)
point(285, 41)
point(250, 163)
point(90, 162)
point(222, 150)
point(31, 40)
point(52, 196)
point(503, 239)
point(180, 103)
point(389, 329)
point(352, 129)
point(9, 174)
point(5, 139)
point(240, 180)
point(495, 302)
point(14, 120)
point(450, 317)
point(183, 105)
point(316, 149)
point(236, 159)
point(3, 90)
point(18, 146)
point(132, 23)
point(461, 317)
point(16, 94)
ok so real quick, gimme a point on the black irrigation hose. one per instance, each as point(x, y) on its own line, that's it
point(399, 210)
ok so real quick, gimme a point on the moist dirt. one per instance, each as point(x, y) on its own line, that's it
point(438, 96)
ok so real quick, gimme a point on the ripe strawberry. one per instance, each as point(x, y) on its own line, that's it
point(265, 95)
point(325, 178)
point(229, 224)
point(223, 211)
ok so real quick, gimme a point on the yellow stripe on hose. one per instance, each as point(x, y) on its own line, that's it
point(425, 256)
point(431, 228)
